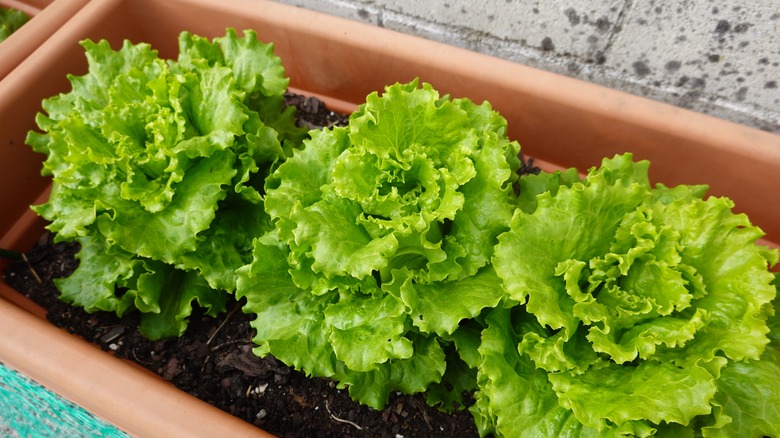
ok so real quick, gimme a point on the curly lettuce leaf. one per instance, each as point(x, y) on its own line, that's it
point(515, 397)
point(175, 291)
point(318, 333)
point(376, 323)
point(162, 294)
point(749, 394)
point(290, 320)
point(409, 376)
point(227, 244)
point(458, 382)
point(465, 299)
point(102, 268)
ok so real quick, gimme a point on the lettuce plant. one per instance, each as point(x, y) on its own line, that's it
point(158, 169)
point(10, 21)
point(644, 310)
point(384, 230)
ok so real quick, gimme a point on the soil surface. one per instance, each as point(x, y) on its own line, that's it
point(213, 360)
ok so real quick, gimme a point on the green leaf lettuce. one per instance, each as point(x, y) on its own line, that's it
point(386, 241)
point(644, 309)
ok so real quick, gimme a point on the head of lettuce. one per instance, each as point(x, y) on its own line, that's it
point(384, 230)
point(646, 311)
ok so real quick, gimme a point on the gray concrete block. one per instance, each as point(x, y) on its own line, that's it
point(711, 56)
point(541, 25)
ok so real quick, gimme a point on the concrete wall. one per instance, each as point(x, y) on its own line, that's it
point(713, 56)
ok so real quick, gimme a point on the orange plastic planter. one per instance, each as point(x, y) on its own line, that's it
point(46, 16)
point(561, 122)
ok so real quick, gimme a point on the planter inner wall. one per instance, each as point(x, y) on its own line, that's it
point(29, 7)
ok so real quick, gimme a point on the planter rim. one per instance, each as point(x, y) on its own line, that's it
point(37, 349)
point(29, 7)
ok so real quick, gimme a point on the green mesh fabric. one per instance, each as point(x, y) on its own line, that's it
point(30, 410)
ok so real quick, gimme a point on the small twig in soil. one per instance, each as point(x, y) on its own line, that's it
point(32, 270)
point(341, 420)
point(227, 318)
point(421, 406)
point(229, 343)
point(135, 356)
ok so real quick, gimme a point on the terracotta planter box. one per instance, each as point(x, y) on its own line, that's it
point(46, 16)
point(559, 121)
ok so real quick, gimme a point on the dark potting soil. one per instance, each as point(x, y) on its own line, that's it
point(213, 360)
